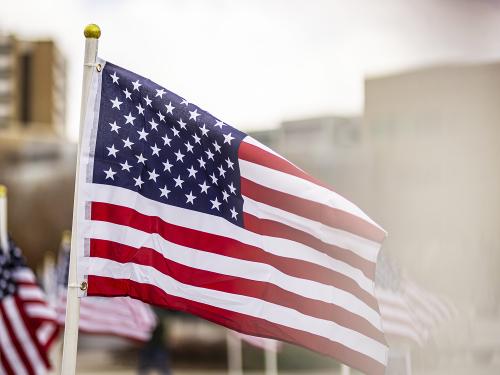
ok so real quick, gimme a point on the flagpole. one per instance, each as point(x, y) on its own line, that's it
point(345, 370)
point(234, 354)
point(4, 238)
point(271, 359)
point(92, 33)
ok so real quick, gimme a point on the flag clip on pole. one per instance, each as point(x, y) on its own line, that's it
point(4, 238)
point(92, 33)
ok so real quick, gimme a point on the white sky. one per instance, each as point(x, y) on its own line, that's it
point(254, 63)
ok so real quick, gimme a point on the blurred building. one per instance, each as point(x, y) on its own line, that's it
point(36, 160)
point(434, 139)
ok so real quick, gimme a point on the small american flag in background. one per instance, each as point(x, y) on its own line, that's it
point(120, 316)
point(27, 324)
point(181, 210)
point(408, 311)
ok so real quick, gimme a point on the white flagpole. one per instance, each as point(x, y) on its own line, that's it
point(68, 367)
point(271, 358)
point(234, 354)
point(345, 370)
point(4, 238)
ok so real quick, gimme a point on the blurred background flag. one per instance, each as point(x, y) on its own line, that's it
point(187, 212)
point(27, 324)
point(408, 311)
point(119, 316)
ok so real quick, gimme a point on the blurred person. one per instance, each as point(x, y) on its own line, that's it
point(154, 354)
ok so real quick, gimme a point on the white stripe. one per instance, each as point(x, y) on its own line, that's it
point(233, 267)
point(24, 337)
point(8, 347)
point(45, 332)
point(221, 227)
point(40, 311)
point(3, 371)
point(237, 303)
point(104, 327)
point(31, 292)
point(358, 245)
point(24, 275)
point(289, 184)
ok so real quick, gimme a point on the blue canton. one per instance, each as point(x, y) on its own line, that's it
point(8, 263)
point(156, 143)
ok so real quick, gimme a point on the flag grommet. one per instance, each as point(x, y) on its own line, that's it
point(84, 285)
point(98, 67)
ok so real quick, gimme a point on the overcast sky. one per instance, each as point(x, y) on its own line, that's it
point(254, 63)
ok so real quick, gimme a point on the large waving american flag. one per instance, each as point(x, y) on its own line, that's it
point(27, 324)
point(181, 210)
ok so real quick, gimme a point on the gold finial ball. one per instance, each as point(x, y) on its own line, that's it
point(92, 31)
point(3, 191)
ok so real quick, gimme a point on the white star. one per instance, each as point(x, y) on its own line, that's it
point(153, 175)
point(167, 166)
point(197, 139)
point(210, 155)
point(178, 181)
point(116, 103)
point(126, 166)
point(225, 195)
point(164, 191)
point(127, 94)
point(148, 101)
point(233, 213)
point(220, 124)
point(214, 179)
point(190, 197)
point(229, 163)
point(112, 150)
point(170, 108)
point(182, 124)
point(202, 162)
point(166, 140)
point(110, 174)
point(143, 134)
point(215, 204)
point(216, 146)
point(184, 101)
point(136, 85)
point(193, 114)
point(204, 187)
point(155, 150)
point(179, 155)
point(127, 143)
point(189, 147)
point(160, 93)
point(138, 181)
point(192, 172)
point(114, 77)
point(130, 119)
point(228, 138)
point(161, 116)
point(140, 109)
point(114, 127)
point(204, 130)
point(176, 132)
point(141, 159)
point(222, 171)
point(154, 125)
point(232, 188)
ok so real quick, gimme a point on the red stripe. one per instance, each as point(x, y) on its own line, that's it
point(103, 286)
point(18, 346)
point(4, 364)
point(315, 211)
point(272, 228)
point(259, 156)
point(228, 247)
point(230, 284)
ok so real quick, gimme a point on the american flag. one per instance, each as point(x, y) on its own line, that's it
point(408, 311)
point(181, 210)
point(27, 324)
point(119, 316)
